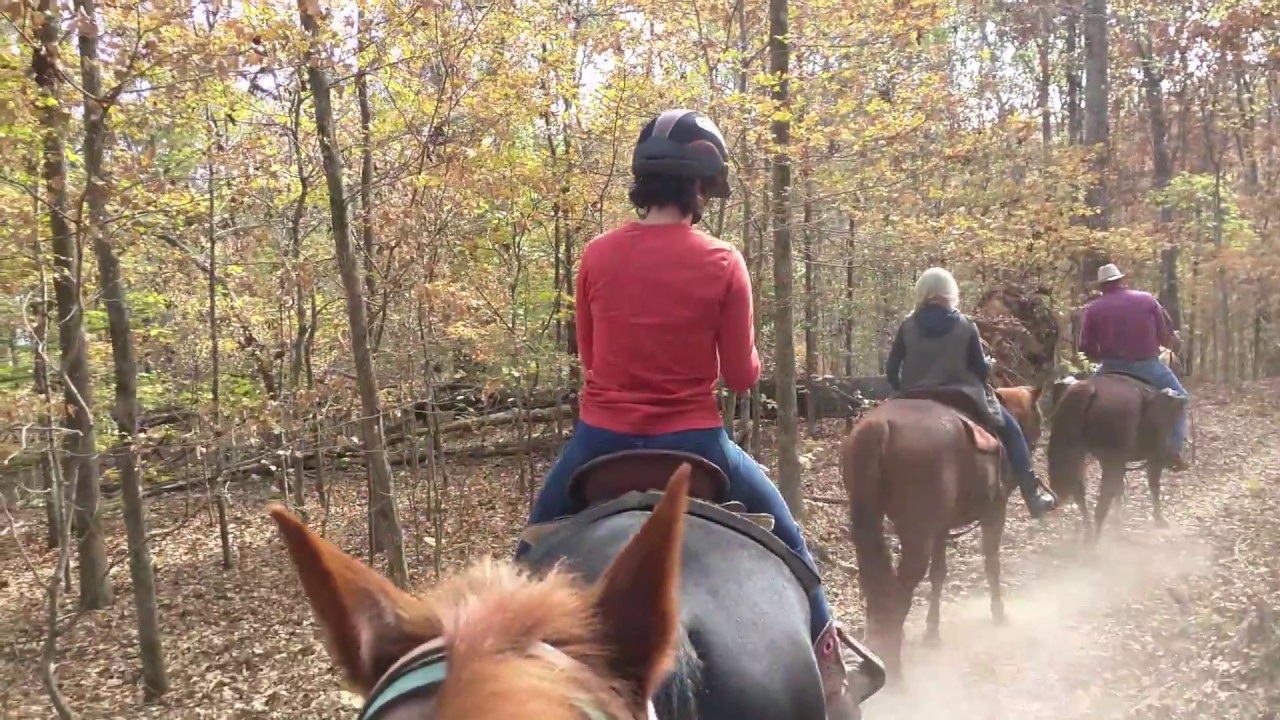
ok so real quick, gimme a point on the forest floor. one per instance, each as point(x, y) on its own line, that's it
point(1167, 623)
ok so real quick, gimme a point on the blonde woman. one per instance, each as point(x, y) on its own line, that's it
point(938, 347)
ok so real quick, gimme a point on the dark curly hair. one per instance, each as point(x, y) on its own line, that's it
point(650, 191)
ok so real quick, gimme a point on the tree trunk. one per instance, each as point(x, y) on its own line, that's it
point(376, 316)
point(747, 430)
point(39, 309)
point(850, 362)
point(850, 278)
point(303, 288)
point(1043, 40)
point(1075, 118)
point(215, 360)
point(810, 305)
point(1162, 173)
point(81, 463)
point(382, 500)
point(40, 371)
point(154, 678)
point(1097, 129)
point(783, 273)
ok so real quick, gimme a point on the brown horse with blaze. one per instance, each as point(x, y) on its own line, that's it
point(931, 470)
point(495, 642)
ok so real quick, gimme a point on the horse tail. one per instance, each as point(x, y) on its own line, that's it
point(861, 468)
point(1066, 451)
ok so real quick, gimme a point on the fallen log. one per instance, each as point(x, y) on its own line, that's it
point(507, 417)
point(400, 459)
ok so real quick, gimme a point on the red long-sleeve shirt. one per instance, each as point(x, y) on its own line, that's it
point(662, 310)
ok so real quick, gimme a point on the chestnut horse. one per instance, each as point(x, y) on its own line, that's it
point(495, 642)
point(930, 469)
point(1117, 419)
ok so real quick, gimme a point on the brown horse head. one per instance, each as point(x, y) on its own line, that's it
point(1023, 402)
point(514, 645)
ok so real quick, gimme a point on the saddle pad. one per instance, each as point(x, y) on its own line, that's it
point(751, 525)
point(983, 440)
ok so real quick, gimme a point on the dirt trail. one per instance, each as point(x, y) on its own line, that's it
point(1047, 660)
point(1117, 631)
point(1171, 624)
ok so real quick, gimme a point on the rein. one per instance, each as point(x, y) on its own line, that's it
point(423, 670)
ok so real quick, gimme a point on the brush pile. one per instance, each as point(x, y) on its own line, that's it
point(1020, 331)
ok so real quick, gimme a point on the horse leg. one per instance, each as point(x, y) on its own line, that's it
point(1154, 471)
point(937, 579)
point(878, 582)
point(992, 534)
point(911, 570)
point(1082, 502)
point(1111, 486)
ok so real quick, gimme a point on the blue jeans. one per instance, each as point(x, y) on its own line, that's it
point(1015, 447)
point(747, 484)
point(1154, 372)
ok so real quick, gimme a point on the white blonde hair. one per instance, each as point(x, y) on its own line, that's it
point(936, 282)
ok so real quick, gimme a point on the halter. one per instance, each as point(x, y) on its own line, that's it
point(421, 672)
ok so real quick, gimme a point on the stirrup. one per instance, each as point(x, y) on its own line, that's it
point(844, 691)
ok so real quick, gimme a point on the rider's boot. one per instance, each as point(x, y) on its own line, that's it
point(1039, 501)
point(837, 690)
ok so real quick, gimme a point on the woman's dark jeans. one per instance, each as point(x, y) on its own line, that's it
point(1015, 446)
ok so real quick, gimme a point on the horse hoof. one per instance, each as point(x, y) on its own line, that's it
point(932, 639)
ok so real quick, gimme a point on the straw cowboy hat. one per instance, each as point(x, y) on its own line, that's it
point(1109, 272)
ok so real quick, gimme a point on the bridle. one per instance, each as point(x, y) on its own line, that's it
point(422, 671)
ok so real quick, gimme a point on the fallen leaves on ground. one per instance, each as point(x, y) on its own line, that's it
point(1175, 623)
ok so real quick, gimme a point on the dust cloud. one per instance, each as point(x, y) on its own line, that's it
point(1056, 654)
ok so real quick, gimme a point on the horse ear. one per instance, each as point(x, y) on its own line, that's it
point(366, 619)
point(637, 596)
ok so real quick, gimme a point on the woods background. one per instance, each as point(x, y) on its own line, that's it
point(315, 242)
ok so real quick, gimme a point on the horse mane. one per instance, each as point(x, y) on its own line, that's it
point(491, 615)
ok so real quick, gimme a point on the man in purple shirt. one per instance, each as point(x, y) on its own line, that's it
point(1124, 330)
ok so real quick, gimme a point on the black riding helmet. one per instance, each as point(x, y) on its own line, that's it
point(684, 143)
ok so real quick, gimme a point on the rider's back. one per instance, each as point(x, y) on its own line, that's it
point(663, 310)
point(1123, 324)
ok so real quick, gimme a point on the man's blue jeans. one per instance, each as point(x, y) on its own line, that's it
point(1156, 373)
point(747, 484)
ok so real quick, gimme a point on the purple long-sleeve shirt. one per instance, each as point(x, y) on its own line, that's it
point(1125, 324)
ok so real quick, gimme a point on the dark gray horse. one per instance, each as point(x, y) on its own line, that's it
point(743, 646)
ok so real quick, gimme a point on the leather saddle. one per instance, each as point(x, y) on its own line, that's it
point(634, 480)
point(983, 436)
point(616, 474)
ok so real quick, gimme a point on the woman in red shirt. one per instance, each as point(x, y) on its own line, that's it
point(663, 310)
